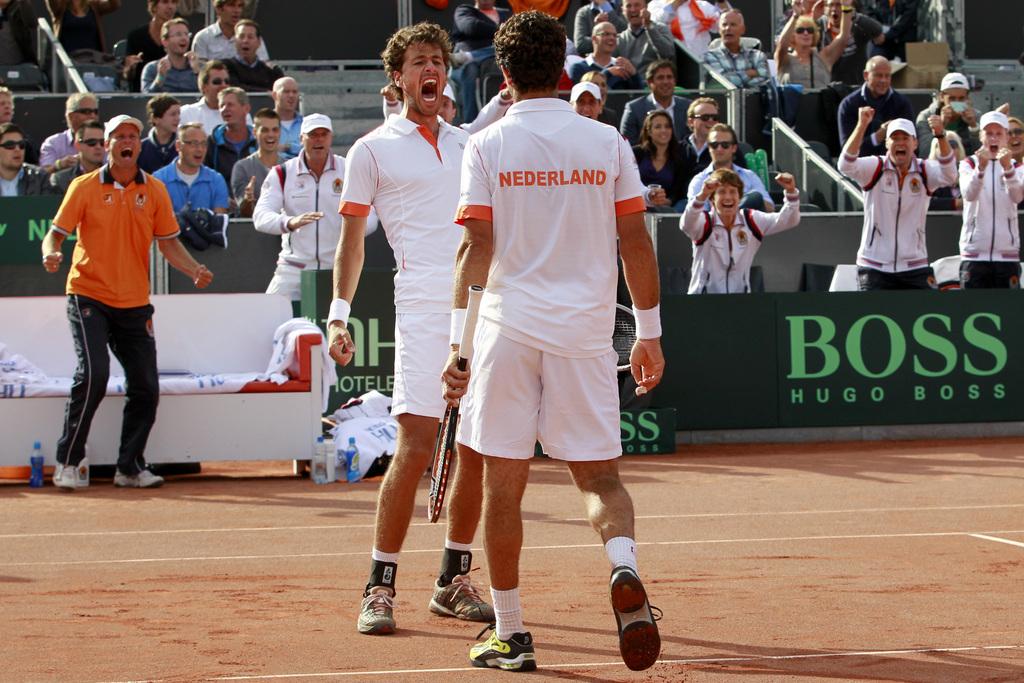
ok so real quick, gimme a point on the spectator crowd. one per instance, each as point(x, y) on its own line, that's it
point(215, 154)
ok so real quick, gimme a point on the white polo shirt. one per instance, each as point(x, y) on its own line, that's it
point(412, 181)
point(552, 182)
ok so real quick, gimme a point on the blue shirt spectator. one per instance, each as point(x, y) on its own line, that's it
point(190, 184)
point(206, 191)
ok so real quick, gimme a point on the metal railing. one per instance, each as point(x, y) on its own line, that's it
point(733, 95)
point(819, 182)
point(64, 77)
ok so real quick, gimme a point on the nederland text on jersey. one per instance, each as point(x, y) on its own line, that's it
point(551, 178)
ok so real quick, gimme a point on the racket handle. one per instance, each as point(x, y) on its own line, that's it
point(476, 292)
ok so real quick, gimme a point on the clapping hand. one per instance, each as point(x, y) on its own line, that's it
point(250, 190)
point(1005, 158)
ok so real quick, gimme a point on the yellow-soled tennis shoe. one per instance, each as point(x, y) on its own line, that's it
point(514, 654)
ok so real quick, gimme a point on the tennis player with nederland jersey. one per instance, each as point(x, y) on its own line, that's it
point(545, 194)
point(408, 169)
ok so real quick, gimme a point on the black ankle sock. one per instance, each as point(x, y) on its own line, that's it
point(382, 574)
point(453, 563)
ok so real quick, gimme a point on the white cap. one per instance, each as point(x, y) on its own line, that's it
point(448, 92)
point(581, 88)
point(903, 125)
point(954, 80)
point(313, 121)
point(113, 124)
point(995, 117)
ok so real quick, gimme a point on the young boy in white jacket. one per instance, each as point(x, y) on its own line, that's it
point(726, 239)
point(992, 185)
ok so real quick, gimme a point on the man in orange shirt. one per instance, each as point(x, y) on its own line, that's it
point(117, 211)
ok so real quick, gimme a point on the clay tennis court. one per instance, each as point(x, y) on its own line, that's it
point(830, 562)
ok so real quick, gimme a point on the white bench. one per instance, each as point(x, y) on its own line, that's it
point(202, 333)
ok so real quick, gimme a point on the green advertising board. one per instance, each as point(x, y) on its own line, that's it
point(24, 222)
point(648, 432)
point(840, 359)
point(900, 358)
point(372, 326)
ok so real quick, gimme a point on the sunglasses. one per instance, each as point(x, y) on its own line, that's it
point(1017, 131)
point(705, 117)
point(91, 142)
point(804, 29)
point(218, 81)
point(720, 145)
point(14, 144)
point(86, 111)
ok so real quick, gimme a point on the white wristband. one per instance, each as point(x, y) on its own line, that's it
point(339, 311)
point(458, 322)
point(648, 323)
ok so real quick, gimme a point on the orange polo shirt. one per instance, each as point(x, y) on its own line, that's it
point(116, 226)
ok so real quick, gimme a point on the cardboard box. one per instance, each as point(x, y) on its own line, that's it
point(927, 63)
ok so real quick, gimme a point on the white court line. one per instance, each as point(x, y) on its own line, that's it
point(591, 665)
point(702, 515)
point(998, 540)
point(362, 553)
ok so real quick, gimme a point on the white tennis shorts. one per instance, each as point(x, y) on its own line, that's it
point(421, 352)
point(519, 395)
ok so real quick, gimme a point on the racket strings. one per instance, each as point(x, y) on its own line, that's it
point(623, 336)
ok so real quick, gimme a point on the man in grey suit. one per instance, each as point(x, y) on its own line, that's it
point(644, 41)
point(593, 13)
point(661, 79)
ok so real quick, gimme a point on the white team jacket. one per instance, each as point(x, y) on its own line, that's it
point(990, 231)
point(721, 257)
point(313, 245)
point(892, 239)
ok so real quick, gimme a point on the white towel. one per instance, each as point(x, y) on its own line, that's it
point(283, 359)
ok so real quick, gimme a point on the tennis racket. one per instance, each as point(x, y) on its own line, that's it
point(623, 338)
point(444, 447)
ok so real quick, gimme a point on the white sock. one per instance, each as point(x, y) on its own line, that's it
point(621, 552)
point(384, 557)
point(452, 545)
point(508, 615)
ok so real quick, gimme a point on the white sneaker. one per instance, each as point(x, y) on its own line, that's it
point(65, 477)
point(143, 480)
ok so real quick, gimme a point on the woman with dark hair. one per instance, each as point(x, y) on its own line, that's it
point(662, 166)
point(77, 22)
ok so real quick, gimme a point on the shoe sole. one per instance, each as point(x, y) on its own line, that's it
point(440, 610)
point(524, 662)
point(639, 641)
point(377, 630)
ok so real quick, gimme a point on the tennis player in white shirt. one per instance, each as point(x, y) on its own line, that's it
point(408, 170)
point(545, 194)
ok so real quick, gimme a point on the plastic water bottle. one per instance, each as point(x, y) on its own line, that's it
point(330, 460)
point(36, 461)
point(318, 466)
point(352, 472)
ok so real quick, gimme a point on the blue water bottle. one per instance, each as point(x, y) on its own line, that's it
point(36, 461)
point(352, 472)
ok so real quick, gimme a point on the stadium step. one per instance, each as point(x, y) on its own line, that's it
point(350, 96)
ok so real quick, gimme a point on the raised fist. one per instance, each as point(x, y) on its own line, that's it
point(787, 182)
point(865, 115)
